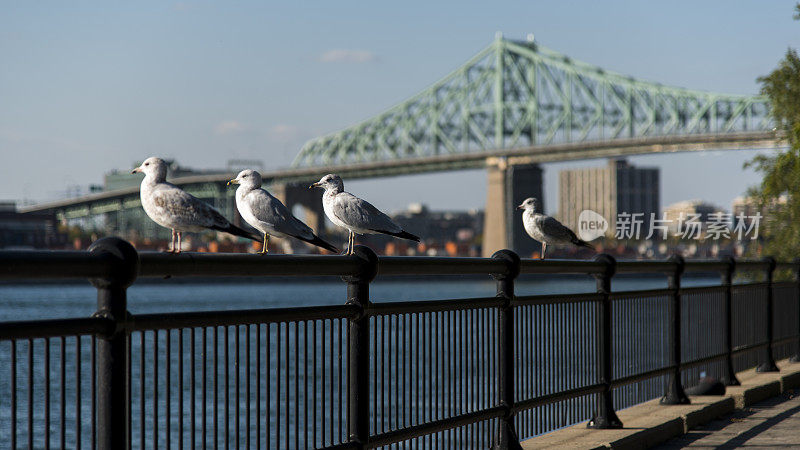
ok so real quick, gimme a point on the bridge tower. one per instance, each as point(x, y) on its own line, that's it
point(292, 194)
point(508, 184)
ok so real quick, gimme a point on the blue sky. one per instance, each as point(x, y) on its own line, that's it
point(86, 87)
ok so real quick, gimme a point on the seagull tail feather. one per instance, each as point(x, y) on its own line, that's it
point(236, 231)
point(401, 234)
point(582, 243)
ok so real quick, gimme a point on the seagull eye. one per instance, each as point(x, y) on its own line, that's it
point(146, 164)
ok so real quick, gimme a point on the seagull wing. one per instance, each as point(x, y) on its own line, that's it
point(183, 208)
point(361, 215)
point(554, 229)
point(270, 210)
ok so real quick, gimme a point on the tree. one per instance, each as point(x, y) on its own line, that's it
point(779, 191)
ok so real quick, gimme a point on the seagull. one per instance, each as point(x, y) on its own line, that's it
point(356, 215)
point(546, 229)
point(268, 215)
point(173, 208)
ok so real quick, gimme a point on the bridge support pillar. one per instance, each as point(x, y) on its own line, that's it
point(310, 199)
point(508, 185)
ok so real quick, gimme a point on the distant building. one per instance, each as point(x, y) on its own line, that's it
point(441, 226)
point(617, 188)
point(678, 213)
point(31, 230)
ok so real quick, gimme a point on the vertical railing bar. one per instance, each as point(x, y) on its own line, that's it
point(204, 382)
point(375, 429)
point(180, 388)
point(727, 281)
point(30, 393)
point(358, 347)
point(215, 422)
point(193, 387)
point(168, 388)
point(606, 417)
point(768, 360)
point(506, 434)
point(287, 381)
point(113, 423)
point(226, 369)
point(332, 386)
point(258, 386)
point(314, 408)
point(78, 384)
point(142, 374)
point(323, 419)
point(128, 389)
point(278, 385)
point(296, 388)
point(47, 393)
point(237, 365)
point(247, 387)
point(305, 384)
point(675, 394)
point(14, 394)
point(155, 389)
point(268, 385)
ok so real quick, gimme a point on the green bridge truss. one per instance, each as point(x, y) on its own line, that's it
point(517, 94)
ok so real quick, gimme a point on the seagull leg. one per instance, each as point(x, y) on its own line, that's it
point(544, 249)
point(171, 248)
point(350, 243)
point(264, 249)
point(178, 250)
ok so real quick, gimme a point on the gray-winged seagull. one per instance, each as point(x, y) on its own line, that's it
point(268, 215)
point(173, 208)
point(546, 229)
point(356, 215)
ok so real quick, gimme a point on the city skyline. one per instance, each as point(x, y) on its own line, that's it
point(180, 81)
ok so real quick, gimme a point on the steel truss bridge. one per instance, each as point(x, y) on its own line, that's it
point(516, 102)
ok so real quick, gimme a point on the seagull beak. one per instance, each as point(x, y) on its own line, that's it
point(232, 182)
point(137, 170)
point(313, 185)
point(520, 207)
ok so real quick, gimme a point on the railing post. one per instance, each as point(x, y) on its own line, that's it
point(358, 347)
point(605, 417)
point(675, 394)
point(796, 357)
point(727, 282)
point(506, 437)
point(112, 364)
point(767, 360)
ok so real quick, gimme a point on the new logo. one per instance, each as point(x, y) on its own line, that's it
point(591, 225)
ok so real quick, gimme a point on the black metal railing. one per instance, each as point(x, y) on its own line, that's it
point(461, 373)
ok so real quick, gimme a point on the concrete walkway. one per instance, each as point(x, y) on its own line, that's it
point(766, 406)
point(774, 423)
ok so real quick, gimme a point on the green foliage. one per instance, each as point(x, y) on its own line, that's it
point(779, 192)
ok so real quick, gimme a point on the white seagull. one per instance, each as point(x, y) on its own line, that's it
point(173, 208)
point(356, 215)
point(268, 215)
point(546, 229)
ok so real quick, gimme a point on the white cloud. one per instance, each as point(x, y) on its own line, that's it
point(229, 127)
point(285, 133)
point(348, 56)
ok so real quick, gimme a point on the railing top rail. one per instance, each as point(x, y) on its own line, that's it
point(153, 264)
point(37, 264)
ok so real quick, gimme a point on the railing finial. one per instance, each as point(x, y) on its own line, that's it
point(123, 267)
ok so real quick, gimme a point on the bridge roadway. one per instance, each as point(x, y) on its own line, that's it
point(463, 161)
